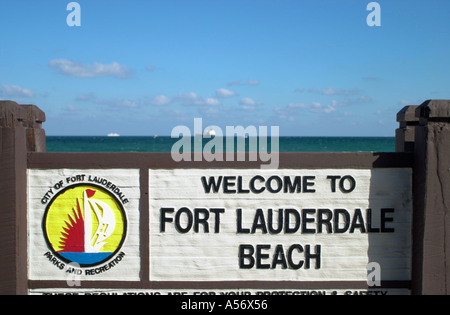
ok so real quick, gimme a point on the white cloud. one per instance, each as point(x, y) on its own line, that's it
point(15, 91)
point(160, 100)
point(189, 97)
point(327, 109)
point(296, 109)
point(79, 70)
point(211, 101)
point(224, 93)
point(314, 107)
point(192, 98)
point(248, 103)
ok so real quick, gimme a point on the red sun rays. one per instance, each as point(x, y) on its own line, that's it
point(72, 239)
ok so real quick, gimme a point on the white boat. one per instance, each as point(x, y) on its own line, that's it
point(209, 133)
point(113, 134)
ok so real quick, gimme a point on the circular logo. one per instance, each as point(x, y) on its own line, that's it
point(85, 224)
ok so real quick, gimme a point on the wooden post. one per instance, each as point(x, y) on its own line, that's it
point(405, 134)
point(431, 237)
point(20, 132)
point(33, 124)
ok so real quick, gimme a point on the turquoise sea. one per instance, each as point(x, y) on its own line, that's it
point(164, 144)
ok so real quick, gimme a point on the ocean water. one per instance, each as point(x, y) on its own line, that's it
point(164, 144)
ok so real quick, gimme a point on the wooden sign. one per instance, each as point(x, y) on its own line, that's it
point(218, 226)
point(279, 225)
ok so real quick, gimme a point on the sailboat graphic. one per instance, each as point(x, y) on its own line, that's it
point(104, 215)
point(88, 229)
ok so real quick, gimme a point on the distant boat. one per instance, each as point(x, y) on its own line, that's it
point(210, 133)
point(113, 135)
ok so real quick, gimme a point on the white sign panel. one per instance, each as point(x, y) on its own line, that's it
point(279, 225)
point(83, 225)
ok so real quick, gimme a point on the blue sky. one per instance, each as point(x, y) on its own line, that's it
point(311, 67)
